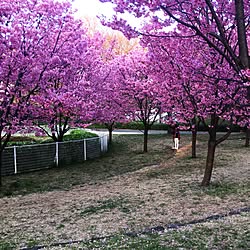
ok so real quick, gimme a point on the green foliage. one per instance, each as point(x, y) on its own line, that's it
point(137, 125)
point(78, 134)
point(22, 140)
point(4, 245)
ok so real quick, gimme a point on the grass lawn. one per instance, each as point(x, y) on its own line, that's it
point(129, 191)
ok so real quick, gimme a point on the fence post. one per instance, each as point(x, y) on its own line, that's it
point(85, 149)
point(15, 159)
point(57, 154)
point(101, 142)
point(106, 143)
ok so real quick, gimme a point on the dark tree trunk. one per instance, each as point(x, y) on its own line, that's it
point(145, 147)
point(212, 143)
point(194, 139)
point(210, 150)
point(110, 129)
point(242, 34)
point(60, 138)
point(247, 137)
point(210, 158)
point(242, 38)
point(1, 156)
point(3, 144)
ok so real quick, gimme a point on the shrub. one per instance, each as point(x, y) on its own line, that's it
point(137, 125)
point(223, 127)
point(78, 134)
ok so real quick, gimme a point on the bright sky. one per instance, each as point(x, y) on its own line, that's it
point(93, 7)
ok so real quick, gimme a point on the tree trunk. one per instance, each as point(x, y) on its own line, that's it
point(242, 38)
point(60, 137)
point(3, 144)
point(210, 158)
point(194, 139)
point(1, 156)
point(242, 34)
point(145, 147)
point(110, 129)
point(247, 137)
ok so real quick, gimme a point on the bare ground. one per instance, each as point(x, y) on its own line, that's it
point(158, 194)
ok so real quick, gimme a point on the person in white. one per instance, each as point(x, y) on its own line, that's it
point(176, 137)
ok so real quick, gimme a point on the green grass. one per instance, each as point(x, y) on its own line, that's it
point(4, 245)
point(222, 189)
point(125, 155)
point(107, 205)
point(218, 235)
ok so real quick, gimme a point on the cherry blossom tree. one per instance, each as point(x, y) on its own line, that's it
point(142, 95)
point(220, 26)
point(33, 32)
point(68, 99)
point(108, 107)
point(223, 25)
point(109, 104)
point(201, 86)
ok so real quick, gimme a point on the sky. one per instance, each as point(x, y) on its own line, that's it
point(92, 8)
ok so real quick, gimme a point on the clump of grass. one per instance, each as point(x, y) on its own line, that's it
point(6, 245)
point(223, 189)
point(106, 205)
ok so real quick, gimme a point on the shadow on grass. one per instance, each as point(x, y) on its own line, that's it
point(125, 155)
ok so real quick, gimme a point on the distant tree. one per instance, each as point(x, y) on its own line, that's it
point(142, 96)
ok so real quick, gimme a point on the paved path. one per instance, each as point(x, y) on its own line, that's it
point(126, 131)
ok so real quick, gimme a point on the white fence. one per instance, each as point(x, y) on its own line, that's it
point(19, 159)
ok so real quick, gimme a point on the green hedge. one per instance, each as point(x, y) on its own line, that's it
point(133, 125)
point(76, 134)
point(222, 128)
point(161, 126)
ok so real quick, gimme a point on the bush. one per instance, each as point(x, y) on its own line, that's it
point(78, 134)
point(223, 127)
point(137, 125)
point(21, 140)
